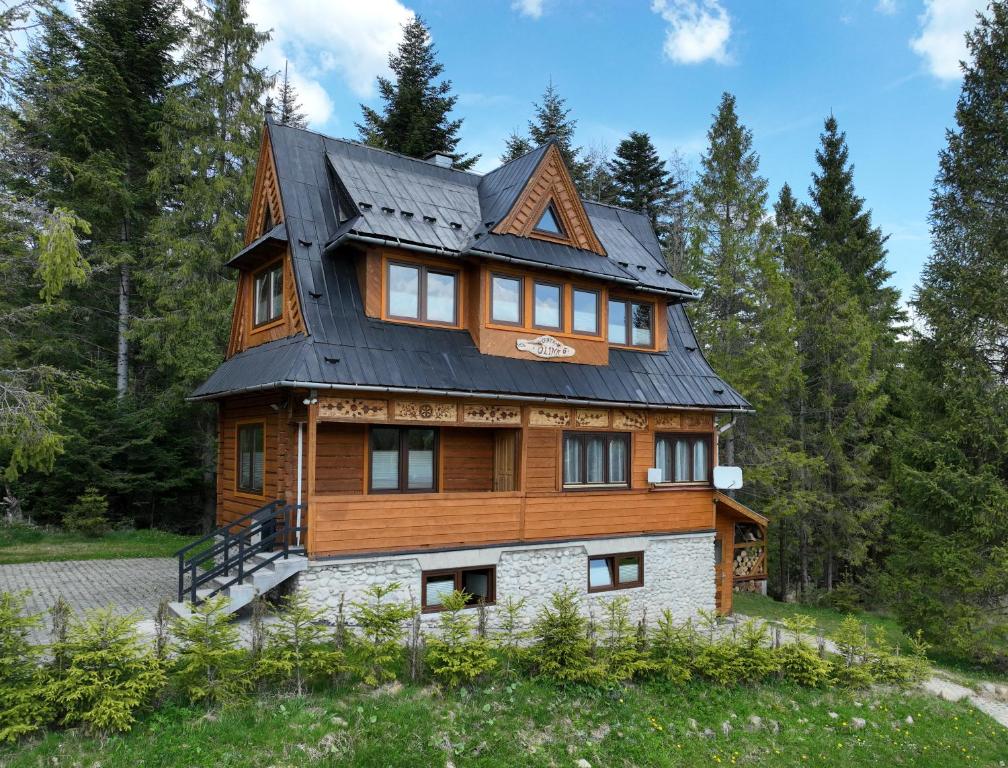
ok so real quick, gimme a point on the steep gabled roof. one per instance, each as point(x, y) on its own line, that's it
point(413, 203)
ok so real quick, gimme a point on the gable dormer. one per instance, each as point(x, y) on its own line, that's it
point(549, 208)
point(267, 306)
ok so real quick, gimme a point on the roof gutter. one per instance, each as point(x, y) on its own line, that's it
point(457, 393)
point(493, 255)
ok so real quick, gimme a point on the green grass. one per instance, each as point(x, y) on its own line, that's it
point(24, 544)
point(964, 671)
point(530, 723)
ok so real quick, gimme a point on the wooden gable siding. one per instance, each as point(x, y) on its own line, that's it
point(551, 182)
point(265, 198)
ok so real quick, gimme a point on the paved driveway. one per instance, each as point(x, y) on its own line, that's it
point(133, 585)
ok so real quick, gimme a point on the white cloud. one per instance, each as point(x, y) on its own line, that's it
point(886, 7)
point(941, 42)
point(347, 37)
point(531, 8)
point(698, 30)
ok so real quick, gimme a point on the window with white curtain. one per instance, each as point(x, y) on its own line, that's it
point(683, 458)
point(596, 458)
point(403, 459)
point(251, 458)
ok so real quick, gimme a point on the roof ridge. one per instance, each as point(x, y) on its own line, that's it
point(613, 205)
point(521, 156)
point(377, 149)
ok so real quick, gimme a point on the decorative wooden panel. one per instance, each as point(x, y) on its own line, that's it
point(417, 410)
point(551, 183)
point(701, 421)
point(265, 193)
point(549, 417)
point(352, 408)
point(591, 417)
point(665, 420)
point(625, 419)
point(491, 414)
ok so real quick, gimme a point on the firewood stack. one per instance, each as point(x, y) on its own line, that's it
point(747, 561)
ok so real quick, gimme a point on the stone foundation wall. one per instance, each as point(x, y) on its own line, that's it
point(678, 575)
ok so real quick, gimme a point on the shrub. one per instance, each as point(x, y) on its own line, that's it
point(22, 679)
point(87, 515)
point(797, 661)
point(673, 648)
point(298, 647)
point(843, 598)
point(716, 659)
point(376, 651)
point(622, 656)
point(458, 657)
point(887, 665)
point(110, 673)
point(209, 665)
point(561, 649)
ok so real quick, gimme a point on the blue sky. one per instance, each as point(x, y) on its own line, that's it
point(887, 69)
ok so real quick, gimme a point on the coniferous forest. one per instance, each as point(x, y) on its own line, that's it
point(879, 443)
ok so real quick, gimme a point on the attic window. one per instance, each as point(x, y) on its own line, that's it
point(267, 224)
point(549, 222)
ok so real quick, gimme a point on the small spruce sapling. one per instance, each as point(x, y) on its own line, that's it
point(512, 635)
point(299, 646)
point(797, 661)
point(377, 650)
point(457, 656)
point(110, 673)
point(673, 648)
point(850, 668)
point(22, 679)
point(209, 665)
point(561, 649)
point(87, 515)
point(620, 651)
point(756, 660)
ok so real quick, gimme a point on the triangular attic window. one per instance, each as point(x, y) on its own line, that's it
point(550, 223)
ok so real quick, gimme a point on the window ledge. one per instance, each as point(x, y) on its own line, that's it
point(598, 487)
point(662, 487)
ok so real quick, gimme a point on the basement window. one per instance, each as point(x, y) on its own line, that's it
point(269, 294)
point(479, 584)
point(622, 571)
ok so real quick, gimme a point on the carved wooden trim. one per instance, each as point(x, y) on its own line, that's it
point(416, 410)
point(551, 182)
point(591, 417)
point(352, 409)
point(625, 419)
point(549, 417)
point(265, 192)
point(668, 420)
point(491, 414)
point(697, 421)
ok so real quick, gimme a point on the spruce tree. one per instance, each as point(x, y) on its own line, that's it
point(947, 566)
point(414, 118)
point(204, 171)
point(642, 181)
point(291, 112)
point(552, 121)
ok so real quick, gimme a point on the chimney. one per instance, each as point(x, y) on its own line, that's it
point(439, 158)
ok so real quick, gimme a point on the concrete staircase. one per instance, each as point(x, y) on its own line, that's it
point(244, 592)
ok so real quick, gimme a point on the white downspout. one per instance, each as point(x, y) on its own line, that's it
point(300, 465)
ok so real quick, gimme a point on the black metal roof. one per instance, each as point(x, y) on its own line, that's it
point(418, 203)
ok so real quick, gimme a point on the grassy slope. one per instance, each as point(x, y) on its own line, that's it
point(828, 620)
point(25, 545)
point(534, 724)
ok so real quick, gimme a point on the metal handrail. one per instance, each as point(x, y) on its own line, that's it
point(269, 529)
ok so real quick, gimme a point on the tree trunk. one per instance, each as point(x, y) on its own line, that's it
point(12, 505)
point(122, 354)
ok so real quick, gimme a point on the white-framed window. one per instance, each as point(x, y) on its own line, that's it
point(269, 295)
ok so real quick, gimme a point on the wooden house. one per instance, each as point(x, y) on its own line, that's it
point(452, 380)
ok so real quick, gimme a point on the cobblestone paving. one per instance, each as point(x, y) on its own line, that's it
point(128, 585)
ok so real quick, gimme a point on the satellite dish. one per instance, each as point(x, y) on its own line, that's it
point(727, 478)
